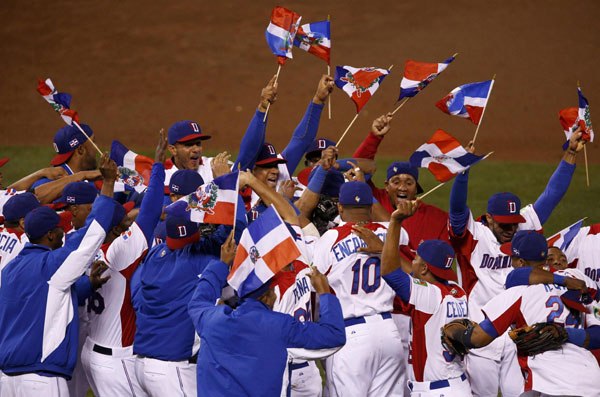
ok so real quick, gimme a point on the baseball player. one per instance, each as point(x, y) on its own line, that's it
point(368, 364)
point(107, 355)
point(38, 320)
point(431, 301)
point(571, 370)
point(583, 252)
point(484, 267)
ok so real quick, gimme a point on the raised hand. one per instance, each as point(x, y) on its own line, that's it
point(382, 124)
point(287, 189)
point(220, 164)
point(374, 243)
point(268, 95)
point(354, 173)
point(404, 209)
point(108, 168)
point(324, 89)
point(228, 249)
point(96, 279)
point(318, 281)
point(161, 147)
point(328, 157)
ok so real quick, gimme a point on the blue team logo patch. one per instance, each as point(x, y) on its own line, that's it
point(126, 234)
point(254, 254)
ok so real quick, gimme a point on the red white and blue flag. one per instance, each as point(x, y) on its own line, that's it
point(266, 247)
point(572, 118)
point(418, 75)
point(443, 156)
point(213, 202)
point(315, 38)
point(134, 169)
point(281, 32)
point(60, 101)
point(467, 101)
point(564, 238)
point(359, 83)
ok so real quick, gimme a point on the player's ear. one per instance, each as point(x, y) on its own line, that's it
point(489, 219)
point(22, 223)
point(172, 149)
point(340, 209)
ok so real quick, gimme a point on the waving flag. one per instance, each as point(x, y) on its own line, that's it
point(467, 101)
point(443, 156)
point(281, 32)
point(266, 247)
point(359, 83)
point(564, 238)
point(213, 202)
point(572, 118)
point(418, 75)
point(60, 101)
point(134, 169)
point(315, 38)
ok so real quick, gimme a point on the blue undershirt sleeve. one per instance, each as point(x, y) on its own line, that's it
point(303, 136)
point(488, 327)
point(459, 211)
point(400, 283)
point(84, 289)
point(252, 142)
point(555, 190)
point(151, 207)
point(518, 276)
point(208, 290)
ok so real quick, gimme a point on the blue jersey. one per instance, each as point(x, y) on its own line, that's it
point(38, 302)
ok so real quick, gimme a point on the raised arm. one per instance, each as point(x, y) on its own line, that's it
point(270, 196)
point(380, 127)
point(390, 255)
point(25, 183)
point(307, 203)
point(52, 190)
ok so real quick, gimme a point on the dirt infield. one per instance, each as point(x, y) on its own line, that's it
point(135, 66)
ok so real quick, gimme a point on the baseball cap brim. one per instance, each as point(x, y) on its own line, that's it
point(271, 161)
point(509, 218)
point(419, 189)
point(65, 220)
point(505, 248)
point(179, 243)
point(446, 274)
point(128, 206)
point(61, 158)
point(191, 137)
point(304, 174)
point(3, 161)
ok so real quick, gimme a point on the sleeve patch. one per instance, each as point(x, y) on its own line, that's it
point(420, 282)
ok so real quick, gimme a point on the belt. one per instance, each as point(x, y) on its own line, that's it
point(438, 384)
point(102, 350)
point(191, 360)
point(294, 367)
point(361, 320)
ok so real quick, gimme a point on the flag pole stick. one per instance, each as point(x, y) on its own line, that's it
point(269, 104)
point(432, 190)
point(237, 190)
point(87, 136)
point(587, 175)
point(483, 111)
point(329, 98)
point(344, 134)
point(401, 104)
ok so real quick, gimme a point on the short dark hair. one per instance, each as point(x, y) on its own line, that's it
point(12, 224)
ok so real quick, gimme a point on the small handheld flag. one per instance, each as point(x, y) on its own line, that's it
point(443, 156)
point(60, 101)
point(134, 169)
point(359, 83)
point(572, 118)
point(281, 32)
point(564, 238)
point(467, 101)
point(418, 75)
point(266, 247)
point(315, 38)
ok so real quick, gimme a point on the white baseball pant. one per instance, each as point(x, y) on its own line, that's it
point(110, 374)
point(403, 323)
point(453, 387)
point(160, 378)
point(306, 380)
point(78, 385)
point(368, 364)
point(34, 385)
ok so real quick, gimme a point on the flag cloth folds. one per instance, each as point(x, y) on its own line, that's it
point(418, 75)
point(266, 247)
point(564, 238)
point(572, 118)
point(60, 101)
point(134, 169)
point(467, 101)
point(315, 38)
point(359, 83)
point(443, 156)
point(281, 32)
point(213, 202)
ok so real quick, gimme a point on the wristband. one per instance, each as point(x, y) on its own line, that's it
point(558, 279)
point(318, 179)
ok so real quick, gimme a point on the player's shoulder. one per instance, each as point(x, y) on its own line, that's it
point(451, 289)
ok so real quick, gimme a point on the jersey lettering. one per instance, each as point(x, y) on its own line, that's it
point(349, 246)
point(594, 274)
point(300, 289)
point(371, 275)
point(457, 309)
point(495, 262)
point(95, 303)
point(8, 244)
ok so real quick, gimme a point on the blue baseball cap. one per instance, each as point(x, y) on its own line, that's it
point(184, 182)
point(66, 140)
point(334, 179)
point(527, 244)
point(120, 211)
point(19, 205)
point(356, 193)
point(318, 145)
point(404, 167)
point(79, 193)
point(180, 232)
point(185, 130)
point(40, 221)
point(505, 208)
point(268, 156)
point(438, 255)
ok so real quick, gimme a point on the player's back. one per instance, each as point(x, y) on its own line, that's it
point(11, 243)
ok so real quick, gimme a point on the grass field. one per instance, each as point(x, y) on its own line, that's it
point(527, 180)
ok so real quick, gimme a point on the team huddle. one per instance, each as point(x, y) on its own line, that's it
point(105, 288)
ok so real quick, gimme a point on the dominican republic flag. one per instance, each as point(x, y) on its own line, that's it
point(281, 32)
point(213, 202)
point(60, 101)
point(134, 169)
point(266, 247)
point(467, 101)
point(443, 156)
point(315, 38)
point(359, 83)
point(572, 118)
point(564, 238)
point(418, 75)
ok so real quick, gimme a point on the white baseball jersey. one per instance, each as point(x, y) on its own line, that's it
point(204, 169)
point(570, 370)
point(584, 251)
point(483, 267)
point(11, 243)
point(431, 306)
point(355, 277)
point(112, 318)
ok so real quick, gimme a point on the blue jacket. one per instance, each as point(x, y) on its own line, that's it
point(39, 324)
point(243, 351)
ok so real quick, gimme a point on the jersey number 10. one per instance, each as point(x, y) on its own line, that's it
point(370, 271)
